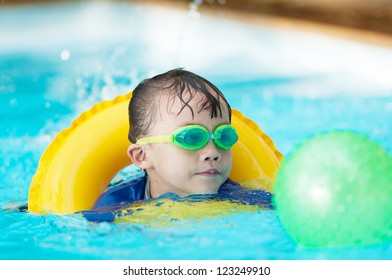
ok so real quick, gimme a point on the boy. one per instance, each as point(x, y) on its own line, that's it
point(181, 136)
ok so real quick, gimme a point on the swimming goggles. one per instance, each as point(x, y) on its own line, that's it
point(194, 137)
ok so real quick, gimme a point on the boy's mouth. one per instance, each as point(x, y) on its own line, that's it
point(210, 172)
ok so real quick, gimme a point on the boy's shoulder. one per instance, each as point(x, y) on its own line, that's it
point(229, 185)
point(233, 191)
point(126, 192)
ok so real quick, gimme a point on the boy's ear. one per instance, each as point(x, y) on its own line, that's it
point(139, 156)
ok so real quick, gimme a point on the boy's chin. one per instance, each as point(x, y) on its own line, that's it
point(207, 189)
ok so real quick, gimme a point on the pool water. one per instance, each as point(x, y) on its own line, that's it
point(58, 60)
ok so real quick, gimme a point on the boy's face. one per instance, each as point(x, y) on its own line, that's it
point(182, 171)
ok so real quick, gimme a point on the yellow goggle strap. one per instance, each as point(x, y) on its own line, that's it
point(155, 139)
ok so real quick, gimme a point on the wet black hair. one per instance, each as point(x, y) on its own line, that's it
point(176, 83)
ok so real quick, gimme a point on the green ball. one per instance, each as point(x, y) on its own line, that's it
point(335, 190)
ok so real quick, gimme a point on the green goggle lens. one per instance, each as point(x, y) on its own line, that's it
point(191, 138)
point(226, 137)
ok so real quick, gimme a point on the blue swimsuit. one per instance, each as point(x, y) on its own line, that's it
point(124, 194)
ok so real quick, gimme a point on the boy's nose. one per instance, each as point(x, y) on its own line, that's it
point(210, 152)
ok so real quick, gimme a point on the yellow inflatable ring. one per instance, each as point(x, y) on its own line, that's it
point(82, 160)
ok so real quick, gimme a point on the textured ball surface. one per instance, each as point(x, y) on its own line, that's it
point(336, 190)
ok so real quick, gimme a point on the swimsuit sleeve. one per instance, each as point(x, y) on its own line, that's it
point(113, 199)
point(127, 192)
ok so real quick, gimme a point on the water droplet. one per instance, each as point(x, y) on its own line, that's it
point(65, 55)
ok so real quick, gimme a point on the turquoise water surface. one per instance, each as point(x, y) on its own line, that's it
point(58, 60)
